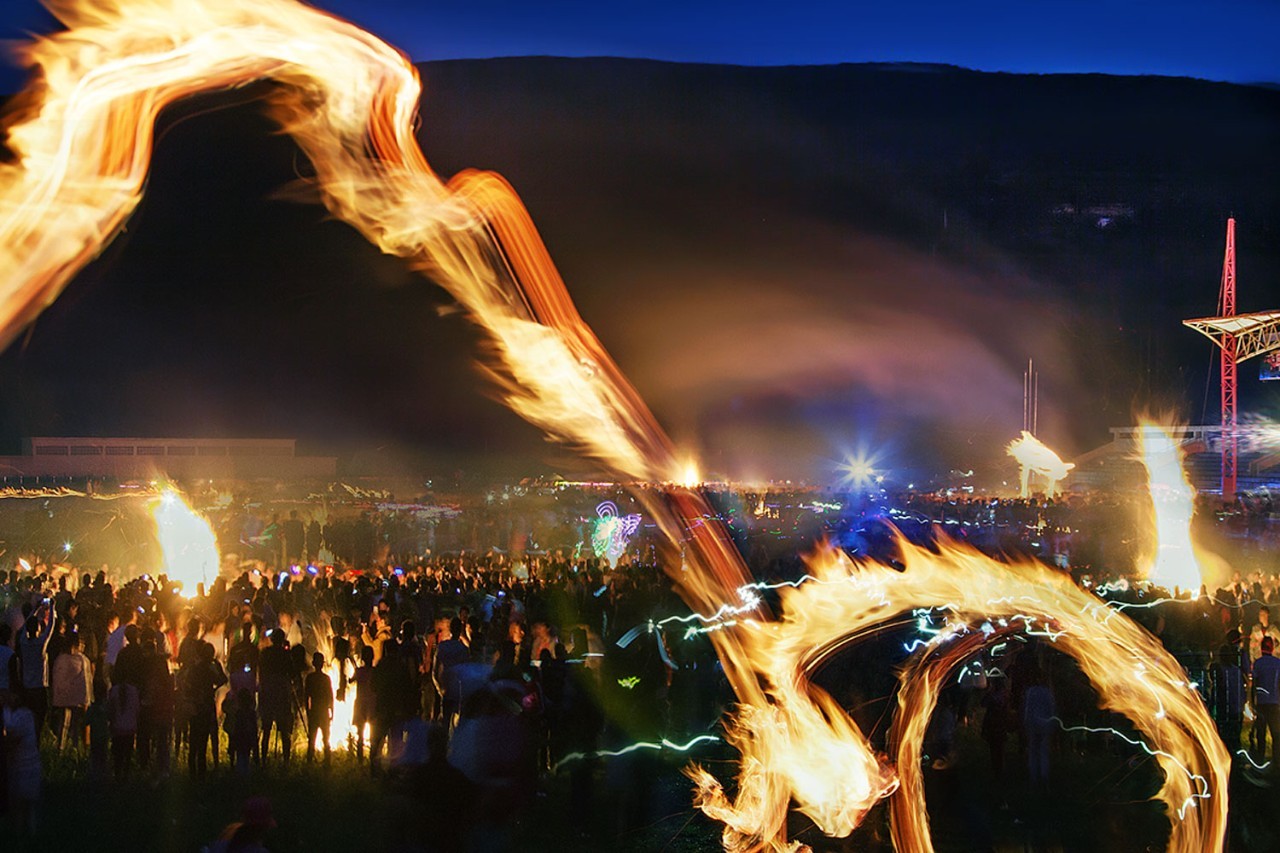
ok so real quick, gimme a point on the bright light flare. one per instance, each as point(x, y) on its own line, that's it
point(1173, 559)
point(859, 471)
point(342, 731)
point(187, 541)
point(1034, 457)
point(690, 477)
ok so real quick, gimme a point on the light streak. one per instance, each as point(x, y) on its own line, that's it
point(1201, 782)
point(611, 532)
point(626, 750)
point(1256, 766)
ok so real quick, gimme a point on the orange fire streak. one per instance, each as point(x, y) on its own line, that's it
point(84, 138)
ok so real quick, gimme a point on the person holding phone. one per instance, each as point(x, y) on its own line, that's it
point(33, 652)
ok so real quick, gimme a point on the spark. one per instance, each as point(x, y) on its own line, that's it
point(1201, 782)
point(1256, 766)
point(654, 745)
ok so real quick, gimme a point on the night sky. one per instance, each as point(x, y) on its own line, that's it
point(1232, 41)
point(864, 261)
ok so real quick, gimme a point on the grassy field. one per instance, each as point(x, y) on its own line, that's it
point(1099, 801)
point(336, 807)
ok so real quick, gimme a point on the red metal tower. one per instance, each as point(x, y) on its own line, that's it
point(1227, 361)
point(1240, 337)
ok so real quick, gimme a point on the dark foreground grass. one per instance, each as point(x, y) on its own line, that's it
point(1099, 801)
point(340, 806)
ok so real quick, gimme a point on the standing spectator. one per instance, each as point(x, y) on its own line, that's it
point(33, 647)
point(6, 654)
point(1263, 628)
point(129, 664)
point(118, 638)
point(276, 706)
point(1038, 714)
point(242, 663)
point(365, 702)
point(450, 654)
point(1266, 698)
point(201, 683)
point(341, 653)
point(378, 630)
point(158, 700)
point(122, 713)
point(391, 685)
point(318, 695)
point(1226, 679)
point(241, 723)
point(72, 688)
point(98, 720)
point(22, 757)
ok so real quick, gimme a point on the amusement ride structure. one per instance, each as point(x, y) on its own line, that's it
point(1239, 337)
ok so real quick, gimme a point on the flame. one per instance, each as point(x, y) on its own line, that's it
point(689, 477)
point(342, 730)
point(1174, 560)
point(83, 137)
point(801, 747)
point(1036, 458)
point(190, 549)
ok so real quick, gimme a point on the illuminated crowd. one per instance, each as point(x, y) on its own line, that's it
point(397, 666)
point(493, 672)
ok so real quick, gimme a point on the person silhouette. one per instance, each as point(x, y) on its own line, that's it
point(318, 696)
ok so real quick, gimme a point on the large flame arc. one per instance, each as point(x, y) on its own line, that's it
point(802, 735)
point(84, 136)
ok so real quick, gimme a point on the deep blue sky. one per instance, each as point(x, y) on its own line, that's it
point(1233, 40)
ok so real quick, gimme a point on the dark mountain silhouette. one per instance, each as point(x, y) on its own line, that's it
point(787, 261)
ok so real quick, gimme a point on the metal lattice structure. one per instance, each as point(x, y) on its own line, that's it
point(1255, 334)
point(1239, 337)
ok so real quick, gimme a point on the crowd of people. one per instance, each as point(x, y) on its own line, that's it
point(475, 669)
point(399, 666)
